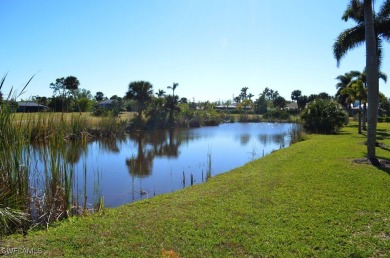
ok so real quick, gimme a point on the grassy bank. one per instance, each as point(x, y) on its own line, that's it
point(309, 200)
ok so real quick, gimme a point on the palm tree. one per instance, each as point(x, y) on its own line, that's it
point(160, 93)
point(362, 76)
point(173, 87)
point(364, 31)
point(355, 36)
point(356, 91)
point(243, 93)
point(372, 80)
point(140, 91)
point(172, 105)
point(344, 82)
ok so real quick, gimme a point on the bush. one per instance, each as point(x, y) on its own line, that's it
point(323, 117)
point(276, 114)
point(104, 112)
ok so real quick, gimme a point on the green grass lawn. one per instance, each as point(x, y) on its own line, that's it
point(308, 200)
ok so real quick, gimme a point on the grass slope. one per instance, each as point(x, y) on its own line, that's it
point(307, 200)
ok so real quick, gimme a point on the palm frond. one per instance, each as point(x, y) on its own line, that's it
point(382, 28)
point(347, 40)
point(383, 76)
point(384, 12)
point(354, 11)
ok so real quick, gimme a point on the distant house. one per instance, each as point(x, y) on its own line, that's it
point(232, 106)
point(292, 106)
point(29, 106)
point(108, 103)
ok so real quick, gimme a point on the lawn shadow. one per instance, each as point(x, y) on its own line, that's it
point(381, 163)
point(382, 134)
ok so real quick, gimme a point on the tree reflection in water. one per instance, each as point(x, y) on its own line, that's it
point(158, 143)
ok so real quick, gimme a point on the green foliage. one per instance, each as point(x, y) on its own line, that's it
point(84, 104)
point(324, 117)
point(141, 92)
point(260, 105)
point(295, 95)
point(277, 114)
point(279, 102)
point(104, 112)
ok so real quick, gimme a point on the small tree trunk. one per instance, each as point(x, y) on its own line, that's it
point(360, 118)
point(364, 116)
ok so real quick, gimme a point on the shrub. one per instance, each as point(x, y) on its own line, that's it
point(323, 116)
point(276, 114)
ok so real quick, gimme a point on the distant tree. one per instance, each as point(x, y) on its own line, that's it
point(84, 104)
point(227, 103)
point(324, 95)
point(260, 105)
point(140, 91)
point(243, 95)
point(384, 105)
point(160, 93)
point(295, 95)
point(72, 84)
point(173, 87)
point(172, 107)
point(40, 100)
point(83, 93)
point(237, 99)
point(59, 89)
point(302, 101)
point(270, 94)
point(56, 103)
point(279, 102)
point(99, 96)
point(183, 100)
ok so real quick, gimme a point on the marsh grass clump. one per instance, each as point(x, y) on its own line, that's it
point(31, 196)
point(110, 126)
point(296, 133)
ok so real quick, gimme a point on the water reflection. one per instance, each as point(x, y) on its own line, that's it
point(244, 139)
point(140, 165)
point(161, 143)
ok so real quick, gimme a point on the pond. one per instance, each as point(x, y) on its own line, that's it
point(146, 164)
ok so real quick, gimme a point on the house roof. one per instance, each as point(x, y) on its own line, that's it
point(29, 104)
point(107, 101)
point(292, 105)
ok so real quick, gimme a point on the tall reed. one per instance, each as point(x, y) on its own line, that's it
point(38, 195)
point(14, 185)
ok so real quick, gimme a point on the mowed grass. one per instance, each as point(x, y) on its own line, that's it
point(308, 200)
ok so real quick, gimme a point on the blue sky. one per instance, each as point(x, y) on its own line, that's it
point(212, 48)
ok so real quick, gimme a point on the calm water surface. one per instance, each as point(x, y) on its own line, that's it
point(151, 163)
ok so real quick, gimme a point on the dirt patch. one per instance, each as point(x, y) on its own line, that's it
point(383, 163)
